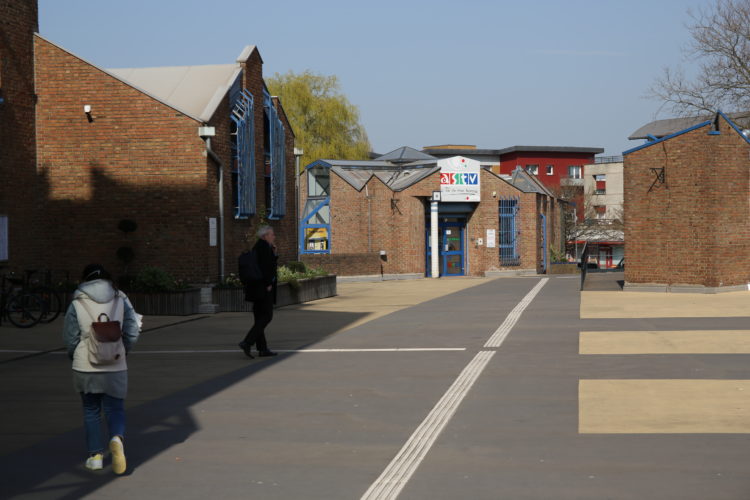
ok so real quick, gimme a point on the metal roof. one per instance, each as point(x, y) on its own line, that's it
point(550, 149)
point(405, 154)
point(195, 89)
point(662, 128)
point(395, 178)
point(461, 152)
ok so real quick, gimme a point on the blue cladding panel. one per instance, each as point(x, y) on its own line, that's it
point(244, 153)
point(278, 162)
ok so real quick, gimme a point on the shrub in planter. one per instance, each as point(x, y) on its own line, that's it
point(156, 279)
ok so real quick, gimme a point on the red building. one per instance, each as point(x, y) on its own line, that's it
point(554, 166)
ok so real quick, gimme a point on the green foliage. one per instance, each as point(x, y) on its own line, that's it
point(557, 255)
point(325, 123)
point(296, 266)
point(287, 275)
point(156, 279)
point(230, 281)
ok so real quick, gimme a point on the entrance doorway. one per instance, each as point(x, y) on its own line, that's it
point(451, 240)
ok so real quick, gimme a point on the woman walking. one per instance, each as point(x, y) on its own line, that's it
point(100, 371)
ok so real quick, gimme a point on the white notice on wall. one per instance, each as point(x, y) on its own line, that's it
point(212, 231)
point(490, 238)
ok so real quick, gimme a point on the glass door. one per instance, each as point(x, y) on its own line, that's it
point(452, 249)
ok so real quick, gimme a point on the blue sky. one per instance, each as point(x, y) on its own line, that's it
point(490, 73)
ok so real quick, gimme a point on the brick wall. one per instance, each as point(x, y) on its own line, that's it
point(18, 22)
point(345, 264)
point(377, 218)
point(142, 160)
point(695, 228)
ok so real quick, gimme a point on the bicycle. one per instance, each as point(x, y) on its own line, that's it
point(22, 308)
point(52, 304)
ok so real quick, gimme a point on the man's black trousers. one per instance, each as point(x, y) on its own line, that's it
point(262, 314)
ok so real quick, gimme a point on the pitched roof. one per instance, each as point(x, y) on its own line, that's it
point(405, 154)
point(195, 89)
point(396, 179)
point(662, 128)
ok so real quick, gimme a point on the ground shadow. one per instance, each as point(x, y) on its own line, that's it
point(53, 468)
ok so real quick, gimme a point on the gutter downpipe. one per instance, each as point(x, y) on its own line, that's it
point(220, 181)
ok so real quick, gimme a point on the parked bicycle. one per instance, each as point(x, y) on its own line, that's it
point(52, 303)
point(21, 307)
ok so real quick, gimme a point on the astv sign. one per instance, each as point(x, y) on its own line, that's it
point(459, 179)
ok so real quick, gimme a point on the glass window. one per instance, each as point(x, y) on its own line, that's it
point(316, 239)
point(574, 172)
point(532, 169)
point(318, 182)
point(550, 170)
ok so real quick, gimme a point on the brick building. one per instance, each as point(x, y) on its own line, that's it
point(146, 145)
point(18, 24)
point(561, 169)
point(687, 223)
point(373, 218)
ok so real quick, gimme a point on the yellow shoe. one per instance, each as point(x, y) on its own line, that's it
point(94, 462)
point(118, 455)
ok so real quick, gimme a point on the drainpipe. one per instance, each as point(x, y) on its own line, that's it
point(298, 152)
point(206, 133)
point(369, 219)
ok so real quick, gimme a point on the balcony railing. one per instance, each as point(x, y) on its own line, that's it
point(608, 159)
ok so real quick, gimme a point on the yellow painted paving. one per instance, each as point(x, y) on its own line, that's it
point(664, 406)
point(665, 342)
point(664, 305)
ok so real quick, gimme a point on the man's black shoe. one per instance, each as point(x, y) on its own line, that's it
point(265, 354)
point(246, 349)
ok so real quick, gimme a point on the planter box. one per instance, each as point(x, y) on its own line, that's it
point(233, 299)
point(180, 303)
point(563, 268)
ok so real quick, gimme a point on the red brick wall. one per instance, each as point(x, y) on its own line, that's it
point(346, 264)
point(141, 160)
point(694, 229)
point(396, 222)
point(18, 22)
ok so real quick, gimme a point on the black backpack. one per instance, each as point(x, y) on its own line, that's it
point(249, 268)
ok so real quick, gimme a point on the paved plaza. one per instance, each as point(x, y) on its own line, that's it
point(509, 388)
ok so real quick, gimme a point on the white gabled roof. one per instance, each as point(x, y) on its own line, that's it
point(195, 89)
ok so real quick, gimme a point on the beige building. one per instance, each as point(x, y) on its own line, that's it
point(603, 188)
point(602, 228)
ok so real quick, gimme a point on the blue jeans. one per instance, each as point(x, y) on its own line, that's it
point(114, 410)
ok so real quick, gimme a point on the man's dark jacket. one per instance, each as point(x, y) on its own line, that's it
point(267, 262)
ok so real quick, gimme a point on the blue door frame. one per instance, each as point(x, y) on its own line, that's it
point(459, 225)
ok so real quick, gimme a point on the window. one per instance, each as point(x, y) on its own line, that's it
point(532, 169)
point(574, 172)
point(243, 155)
point(318, 182)
point(3, 238)
point(315, 227)
point(601, 184)
point(600, 211)
point(509, 232)
point(550, 170)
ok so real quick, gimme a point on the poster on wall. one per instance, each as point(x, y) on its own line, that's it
point(459, 179)
point(490, 238)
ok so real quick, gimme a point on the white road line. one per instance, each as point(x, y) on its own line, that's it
point(398, 472)
point(498, 337)
point(235, 351)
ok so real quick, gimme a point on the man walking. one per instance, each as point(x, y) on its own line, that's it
point(260, 289)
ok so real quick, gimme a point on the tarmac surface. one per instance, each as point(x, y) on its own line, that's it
point(425, 389)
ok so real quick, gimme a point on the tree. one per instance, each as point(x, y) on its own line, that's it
point(721, 44)
point(325, 123)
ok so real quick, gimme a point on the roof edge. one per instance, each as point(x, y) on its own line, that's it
point(247, 51)
point(667, 137)
point(112, 75)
